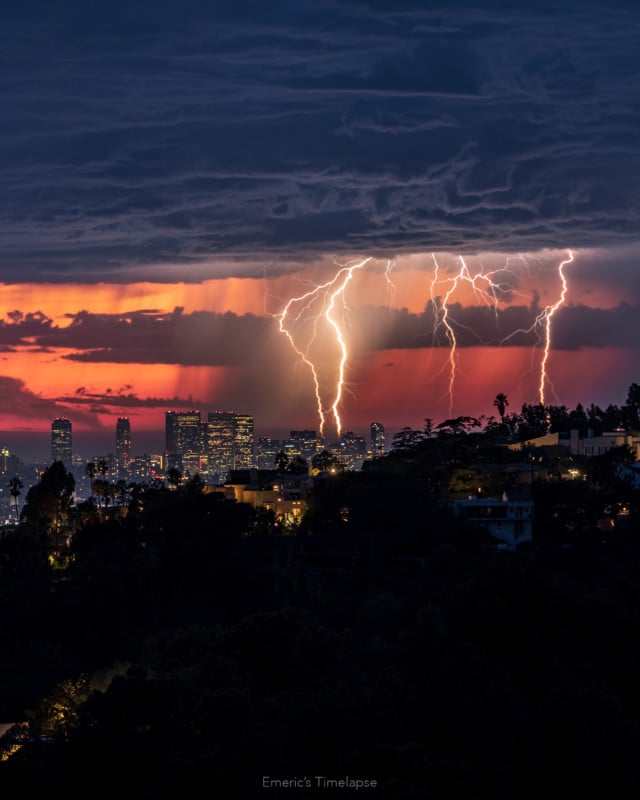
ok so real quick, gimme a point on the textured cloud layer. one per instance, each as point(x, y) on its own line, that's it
point(228, 340)
point(172, 141)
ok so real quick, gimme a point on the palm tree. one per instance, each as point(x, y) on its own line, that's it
point(501, 404)
point(91, 471)
point(122, 492)
point(100, 490)
point(15, 484)
point(281, 460)
point(174, 477)
point(102, 487)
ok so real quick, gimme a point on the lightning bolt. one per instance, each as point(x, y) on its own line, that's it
point(441, 311)
point(390, 284)
point(319, 303)
point(542, 326)
point(319, 307)
point(546, 317)
point(486, 286)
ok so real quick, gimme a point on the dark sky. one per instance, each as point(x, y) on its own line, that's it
point(170, 143)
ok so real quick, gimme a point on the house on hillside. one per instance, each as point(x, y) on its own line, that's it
point(283, 494)
point(589, 445)
point(508, 519)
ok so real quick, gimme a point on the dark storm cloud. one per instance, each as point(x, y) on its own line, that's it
point(145, 336)
point(20, 327)
point(114, 402)
point(148, 337)
point(170, 135)
point(573, 327)
point(579, 326)
point(620, 268)
point(205, 338)
point(28, 406)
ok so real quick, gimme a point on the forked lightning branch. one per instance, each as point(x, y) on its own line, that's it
point(306, 318)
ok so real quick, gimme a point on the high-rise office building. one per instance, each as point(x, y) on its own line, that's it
point(352, 450)
point(243, 455)
point(171, 432)
point(219, 443)
point(377, 439)
point(183, 433)
point(306, 443)
point(123, 445)
point(229, 443)
point(266, 451)
point(61, 449)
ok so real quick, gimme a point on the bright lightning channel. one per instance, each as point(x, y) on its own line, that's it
point(317, 304)
point(485, 285)
point(547, 316)
point(542, 325)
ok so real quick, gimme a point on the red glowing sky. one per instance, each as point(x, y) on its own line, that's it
point(171, 181)
point(96, 352)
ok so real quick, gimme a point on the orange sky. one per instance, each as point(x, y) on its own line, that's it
point(398, 387)
point(408, 285)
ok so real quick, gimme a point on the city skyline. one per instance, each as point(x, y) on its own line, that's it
point(123, 445)
point(321, 216)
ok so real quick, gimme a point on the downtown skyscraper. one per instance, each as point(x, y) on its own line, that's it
point(219, 444)
point(377, 439)
point(229, 442)
point(243, 441)
point(213, 448)
point(183, 437)
point(61, 445)
point(123, 446)
point(304, 443)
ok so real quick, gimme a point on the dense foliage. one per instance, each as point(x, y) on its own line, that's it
point(174, 640)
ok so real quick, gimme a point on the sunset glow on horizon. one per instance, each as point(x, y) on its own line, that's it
point(171, 183)
point(146, 348)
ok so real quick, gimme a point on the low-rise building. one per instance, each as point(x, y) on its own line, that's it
point(509, 519)
point(589, 445)
point(284, 495)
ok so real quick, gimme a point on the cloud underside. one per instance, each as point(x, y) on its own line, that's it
point(189, 146)
point(231, 340)
point(27, 409)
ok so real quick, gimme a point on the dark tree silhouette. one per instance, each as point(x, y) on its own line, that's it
point(458, 425)
point(174, 477)
point(326, 462)
point(281, 460)
point(406, 438)
point(579, 420)
point(49, 505)
point(632, 407)
point(91, 471)
point(501, 403)
point(297, 466)
point(633, 395)
point(15, 485)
